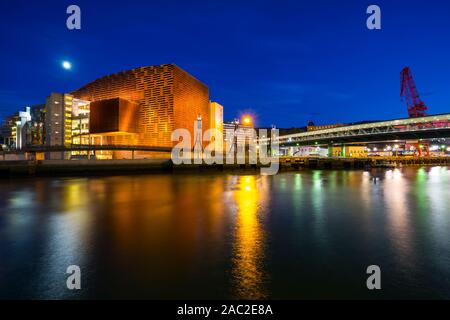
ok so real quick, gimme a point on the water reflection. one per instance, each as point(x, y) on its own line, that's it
point(438, 214)
point(301, 234)
point(248, 253)
point(43, 244)
point(396, 190)
point(319, 204)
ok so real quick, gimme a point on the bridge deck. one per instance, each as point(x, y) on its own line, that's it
point(437, 126)
point(79, 147)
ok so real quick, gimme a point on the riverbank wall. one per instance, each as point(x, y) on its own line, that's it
point(111, 167)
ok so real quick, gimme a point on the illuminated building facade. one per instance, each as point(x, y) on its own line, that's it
point(80, 121)
point(9, 131)
point(238, 134)
point(58, 120)
point(216, 122)
point(66, 123)
point(142, 106)
point(349, 151)
point(162, 98)
point(16, 130)
point(22, 128)
point(37, 131)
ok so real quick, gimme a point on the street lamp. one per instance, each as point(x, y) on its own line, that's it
point(247, 120)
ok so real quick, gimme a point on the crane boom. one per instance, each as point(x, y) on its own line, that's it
point(408, 91)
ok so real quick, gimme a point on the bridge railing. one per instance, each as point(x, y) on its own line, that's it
point(375, 128)
point(81, 147)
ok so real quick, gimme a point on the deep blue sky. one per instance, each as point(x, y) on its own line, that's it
point(286, 61)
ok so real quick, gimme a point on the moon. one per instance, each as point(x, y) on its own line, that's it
point(66, 65)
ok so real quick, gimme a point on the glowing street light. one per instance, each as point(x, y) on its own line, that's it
point(247, 120)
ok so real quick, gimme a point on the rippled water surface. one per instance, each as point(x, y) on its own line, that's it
point(309, 234)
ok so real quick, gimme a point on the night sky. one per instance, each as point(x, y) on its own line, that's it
point(287, 62)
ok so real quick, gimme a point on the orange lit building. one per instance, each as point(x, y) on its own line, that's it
point(143, 106)
point(216, 122)
point(115, 115)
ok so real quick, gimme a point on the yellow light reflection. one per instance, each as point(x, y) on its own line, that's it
point(248, 272)
point(396, 190)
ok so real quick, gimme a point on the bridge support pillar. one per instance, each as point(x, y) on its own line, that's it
point(290, 151)
point(132, 154)
point(330, 150)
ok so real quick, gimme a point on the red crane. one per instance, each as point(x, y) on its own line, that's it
point(408, 91)
point(416, 107)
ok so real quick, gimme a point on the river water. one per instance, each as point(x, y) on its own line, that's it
point(295, 235)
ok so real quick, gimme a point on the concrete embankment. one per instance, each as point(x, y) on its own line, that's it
point(82, 167)
point(111, 167)
point(287, 163)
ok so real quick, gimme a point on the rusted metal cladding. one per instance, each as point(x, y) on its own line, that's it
point(166, 98)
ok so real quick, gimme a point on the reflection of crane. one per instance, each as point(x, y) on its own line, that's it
point(408, 91)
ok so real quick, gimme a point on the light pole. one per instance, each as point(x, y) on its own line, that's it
point(236, 125)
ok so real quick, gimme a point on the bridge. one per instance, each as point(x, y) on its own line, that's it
point(94, 147)
point(85, 147)
point(429, 127)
